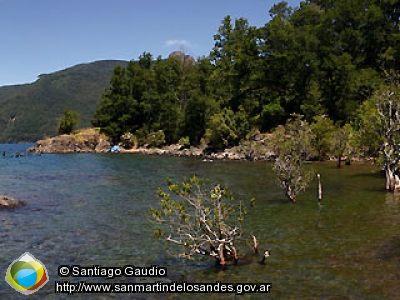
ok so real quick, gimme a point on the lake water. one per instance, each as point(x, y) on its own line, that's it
point(91, 210)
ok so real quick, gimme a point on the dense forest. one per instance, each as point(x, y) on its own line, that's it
point(322, 58)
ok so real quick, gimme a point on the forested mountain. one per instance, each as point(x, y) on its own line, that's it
point(322, 58)
point(39, 106)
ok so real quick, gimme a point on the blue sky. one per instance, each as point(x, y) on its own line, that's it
point(44, 36)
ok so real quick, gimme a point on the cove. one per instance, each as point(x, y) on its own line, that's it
point(90, 209)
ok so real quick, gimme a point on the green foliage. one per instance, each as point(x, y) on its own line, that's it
point(294, 137)
point(343, 142)
point(271, 115)
point(369, 129)
point(68, 122)
point(40, 105)
point(156, 139)
point(200, 220)
point(184, 142)
point(115, 114)
point(292, 144)
point(312, 105)
point(320, 59)
point(221, 130)
point(128, 140)
point(141, 136)
point(386, 121)
point(321, 130)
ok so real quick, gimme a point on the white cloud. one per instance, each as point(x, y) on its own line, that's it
point(179, 43)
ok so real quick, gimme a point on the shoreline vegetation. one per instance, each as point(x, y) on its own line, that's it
point(92, 141)
point(259, 147)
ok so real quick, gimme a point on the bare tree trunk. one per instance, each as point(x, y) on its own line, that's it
point(221, 254)
point(290, 194)
point(390, 178)
point(319, 189)
point(396, 183)
point(339, 161)
point(255, 244)
point(235, 256)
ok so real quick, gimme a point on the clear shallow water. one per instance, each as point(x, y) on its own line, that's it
point(91, 210)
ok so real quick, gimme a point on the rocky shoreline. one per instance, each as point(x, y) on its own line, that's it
point(235, 153)
point(86, 141)
point(258, 148)
point(91, 141)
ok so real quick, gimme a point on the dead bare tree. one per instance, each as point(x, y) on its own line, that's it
point(200, 221)
point(388, 108)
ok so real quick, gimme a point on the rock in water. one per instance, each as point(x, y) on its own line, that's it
point(7, 202)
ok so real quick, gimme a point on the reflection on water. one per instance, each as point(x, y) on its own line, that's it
point(91, 210)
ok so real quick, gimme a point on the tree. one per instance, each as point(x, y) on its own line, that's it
point(341, 143)
point(322, 58)
point(388, 108)
point(68, 122)
point(281, 9)
point(292, 146)
point(200, 221)
point(168, 102)
point(322, 129)
point(368, 129)
point(379, 129)
point(221, 130)
point(156, 139)
point(237, 73)
point(117, 109)
point(201, 104)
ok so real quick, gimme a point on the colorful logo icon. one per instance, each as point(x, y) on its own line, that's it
point(27, 274)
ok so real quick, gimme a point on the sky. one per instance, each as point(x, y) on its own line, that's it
point(45, 36)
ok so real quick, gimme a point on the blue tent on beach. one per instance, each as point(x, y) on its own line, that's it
point(114, 149)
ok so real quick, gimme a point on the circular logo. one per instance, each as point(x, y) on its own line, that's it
point(27, 274)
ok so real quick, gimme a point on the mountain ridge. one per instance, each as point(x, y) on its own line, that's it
point(39, 105)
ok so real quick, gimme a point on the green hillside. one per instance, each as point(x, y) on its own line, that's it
point(39, 106)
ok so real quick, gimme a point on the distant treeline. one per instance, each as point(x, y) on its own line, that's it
point(322, 58)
